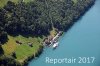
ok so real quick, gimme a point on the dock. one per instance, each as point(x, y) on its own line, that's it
point(52, 41)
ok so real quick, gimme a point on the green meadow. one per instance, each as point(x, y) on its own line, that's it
point(23, 51)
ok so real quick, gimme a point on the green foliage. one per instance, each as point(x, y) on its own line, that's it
point(8, 61)
point(1, 51)
point(26, 18)
point(38, 18)
point(3, 36)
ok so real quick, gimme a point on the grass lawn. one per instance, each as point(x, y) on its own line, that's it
point(24, 50)
point(27, 1)
point(75, 1)
point(53, 32)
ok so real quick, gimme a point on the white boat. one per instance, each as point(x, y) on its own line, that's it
point(55, 45)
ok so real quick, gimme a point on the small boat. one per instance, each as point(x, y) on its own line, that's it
point(55, 45)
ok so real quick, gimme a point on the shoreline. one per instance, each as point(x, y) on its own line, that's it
point(86, 9)
point(26, 62)
point(37, 54)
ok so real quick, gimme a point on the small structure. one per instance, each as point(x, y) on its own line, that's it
point(60, 33)
point(47, 42)
point(30, 44)
point(52, 40)
point(18, 42)
point(55, 45)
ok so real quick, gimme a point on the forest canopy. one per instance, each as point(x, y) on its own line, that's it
point(40, 16)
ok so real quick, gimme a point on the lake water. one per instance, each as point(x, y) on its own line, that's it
point(82, 40)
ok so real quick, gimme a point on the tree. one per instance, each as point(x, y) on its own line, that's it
point(1, 51)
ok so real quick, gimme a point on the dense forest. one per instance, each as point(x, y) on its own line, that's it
point(40, 16)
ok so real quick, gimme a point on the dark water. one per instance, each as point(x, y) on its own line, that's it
point(82, 40)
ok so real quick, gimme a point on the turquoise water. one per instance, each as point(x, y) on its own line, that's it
point(82, 40)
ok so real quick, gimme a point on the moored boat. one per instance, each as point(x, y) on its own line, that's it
point(55, 45)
